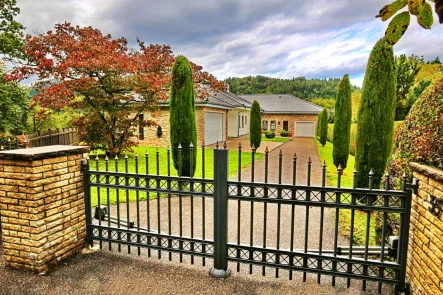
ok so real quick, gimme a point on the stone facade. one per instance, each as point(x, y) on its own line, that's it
point(425, 255)
point(42, 206)
point(162, 119)
point(291, 118)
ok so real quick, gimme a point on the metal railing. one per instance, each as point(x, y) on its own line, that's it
point(168, 214)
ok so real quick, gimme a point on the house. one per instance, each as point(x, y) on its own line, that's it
point(224, 115)
point(287, 112)
point(221, 116)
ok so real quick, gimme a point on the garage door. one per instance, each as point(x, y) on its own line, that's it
point(214, 127)
point(305, 129)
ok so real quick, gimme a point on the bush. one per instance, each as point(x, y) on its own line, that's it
point(418, 139)
point(284, 133)
point(375, 123)
point(342, 123)
point(183, 129)
point(255, 125)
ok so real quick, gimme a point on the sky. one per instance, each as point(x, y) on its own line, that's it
point(237, 38)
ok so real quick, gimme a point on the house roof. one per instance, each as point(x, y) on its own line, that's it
point(220, 99)
point(283, 104)
point(225, 99)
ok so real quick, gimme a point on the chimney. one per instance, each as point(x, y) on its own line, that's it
point(227, 87)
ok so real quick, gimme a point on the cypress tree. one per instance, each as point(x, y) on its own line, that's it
point(183, 129)
point(317, 133)
point(375, 123)
point(342, 122)
point(323, 121)
point(255, 125)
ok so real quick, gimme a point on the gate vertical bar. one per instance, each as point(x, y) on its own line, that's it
point(405, 219)
point(87, 195)
point(220, 269)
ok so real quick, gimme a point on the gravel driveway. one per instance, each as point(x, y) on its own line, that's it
point(113, 273)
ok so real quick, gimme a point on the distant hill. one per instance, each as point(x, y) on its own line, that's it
point(299, 86)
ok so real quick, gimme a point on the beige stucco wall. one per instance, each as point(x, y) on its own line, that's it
point(291, 118)
point(233, 122)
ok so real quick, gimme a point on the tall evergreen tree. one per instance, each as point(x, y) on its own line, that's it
point(323, 132)
point(375, 123)
point(342, 122)
point(317, 132)
point(183, 129)
point(255, 125)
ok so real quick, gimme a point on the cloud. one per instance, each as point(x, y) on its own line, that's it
point(279, 38)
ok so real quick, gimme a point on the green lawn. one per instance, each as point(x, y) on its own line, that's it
point(275, 139)
point(331, 171)
point(163, 168)
point(347, 181)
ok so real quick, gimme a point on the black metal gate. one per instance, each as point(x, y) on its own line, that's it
point(195, 216)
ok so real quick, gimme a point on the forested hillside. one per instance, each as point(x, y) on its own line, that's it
point(300, 86)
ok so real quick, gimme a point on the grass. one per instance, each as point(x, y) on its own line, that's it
point(331, 171)
point(347, 181)
point(163, 169)
point(275, 139)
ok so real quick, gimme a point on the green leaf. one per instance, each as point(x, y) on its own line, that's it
point(389, 10)
point(397, 27)
point(426, 17)
point(415, 6)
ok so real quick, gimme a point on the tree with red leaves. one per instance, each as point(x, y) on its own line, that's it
point(109, 84)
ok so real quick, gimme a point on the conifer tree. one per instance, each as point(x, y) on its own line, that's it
point(342, 122)
point(255, 125)
point(183, 129)
point(323, 132)
point(375, 123)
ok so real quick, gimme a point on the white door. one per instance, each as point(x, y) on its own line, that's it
point(305, 129)
point(214, 128)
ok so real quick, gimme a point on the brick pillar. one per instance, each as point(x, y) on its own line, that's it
point(425, 255)
point(42, 205)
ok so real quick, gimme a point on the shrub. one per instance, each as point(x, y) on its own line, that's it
point(284, 133)
point(183, 129)
point(418, 139)
point(255, 125)
point(375, 123)
point(342, 123)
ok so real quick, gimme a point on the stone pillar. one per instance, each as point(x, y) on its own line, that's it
point(42, 205)
point(425, 255)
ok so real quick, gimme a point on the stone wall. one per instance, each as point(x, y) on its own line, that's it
point(162, 119)
point(425, 255)
point(42, 205)
point(291, 118)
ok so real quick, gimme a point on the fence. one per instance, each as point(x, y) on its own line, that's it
point(65, 136)
point(268, 225)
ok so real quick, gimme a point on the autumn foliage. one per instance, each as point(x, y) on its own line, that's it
point(107, 82)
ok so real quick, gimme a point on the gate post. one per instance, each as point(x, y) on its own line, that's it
point(220, 269)
point(43, 213)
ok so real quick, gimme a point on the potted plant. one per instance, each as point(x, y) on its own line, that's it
point(269, 134)
point(284, 133)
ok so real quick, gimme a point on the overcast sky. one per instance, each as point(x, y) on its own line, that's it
point(278, 38)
